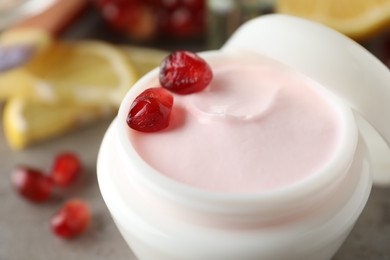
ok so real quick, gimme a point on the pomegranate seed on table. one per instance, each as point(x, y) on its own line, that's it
point(184, 72)
point(67, 167)
point(32, 184)
point(150, 111)
point(71, 220)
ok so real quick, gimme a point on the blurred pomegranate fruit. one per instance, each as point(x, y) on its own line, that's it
point(150, 19)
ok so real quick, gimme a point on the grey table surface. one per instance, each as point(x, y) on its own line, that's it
point(24, 227)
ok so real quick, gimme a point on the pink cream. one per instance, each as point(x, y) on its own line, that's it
point(257, 127)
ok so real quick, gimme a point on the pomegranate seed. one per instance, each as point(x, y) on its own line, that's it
point(184, 72)
point(169, 4)
point(150, 111)
point(183, 22)
point(195, 5)
point(134, 17)
point(67, 167)
point(32, 184)
point(145, 19)
point(181, 19)
point(71, 220)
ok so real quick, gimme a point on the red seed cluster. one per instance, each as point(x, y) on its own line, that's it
point(146, 19)
point(182, 72)
point(36, 186)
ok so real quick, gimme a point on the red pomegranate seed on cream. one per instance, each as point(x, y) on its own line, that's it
point(184, 72)
point(151, 110)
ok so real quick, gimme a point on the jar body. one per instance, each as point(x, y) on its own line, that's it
point(160, 229)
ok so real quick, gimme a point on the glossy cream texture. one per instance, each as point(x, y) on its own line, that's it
point(258, 126)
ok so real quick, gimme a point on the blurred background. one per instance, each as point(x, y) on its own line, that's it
point(65, 65)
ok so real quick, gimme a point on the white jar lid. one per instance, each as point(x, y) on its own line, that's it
point(335, 61)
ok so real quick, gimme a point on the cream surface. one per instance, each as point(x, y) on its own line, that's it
point(258, 126)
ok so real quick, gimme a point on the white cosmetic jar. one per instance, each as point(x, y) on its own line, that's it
point(162, 219)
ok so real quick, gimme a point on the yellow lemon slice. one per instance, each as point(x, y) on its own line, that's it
point(20, 46)
point(84, 72)
point(66, 85)
point(358, 19)
point(36, 37)
point(27, 121)
point(16, 82)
